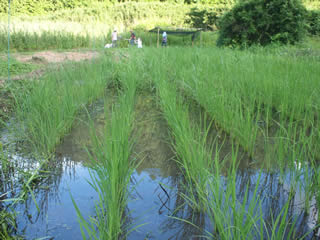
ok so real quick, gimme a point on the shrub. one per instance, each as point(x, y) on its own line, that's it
point(202, 18)
point(313, 21)
point(263, 22)
point(33, 7)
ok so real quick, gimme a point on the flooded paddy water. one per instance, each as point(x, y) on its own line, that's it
point(157, 202)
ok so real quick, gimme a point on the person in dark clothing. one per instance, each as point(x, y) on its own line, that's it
point(132, 37)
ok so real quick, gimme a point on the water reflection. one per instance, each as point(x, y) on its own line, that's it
point(146, 206)
point(57, 217)
point(58, 179)
point(157, 188)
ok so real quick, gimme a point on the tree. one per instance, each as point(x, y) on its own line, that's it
point(263, 22)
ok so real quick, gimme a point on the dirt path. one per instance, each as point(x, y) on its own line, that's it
point(56, 57)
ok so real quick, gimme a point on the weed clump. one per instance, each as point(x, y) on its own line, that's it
point(16, 67)
point(263, 22)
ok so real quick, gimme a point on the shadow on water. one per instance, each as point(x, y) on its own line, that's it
point(156, 188)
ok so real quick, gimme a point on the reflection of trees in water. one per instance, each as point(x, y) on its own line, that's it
point(184, 228)
point(48, 190)
point(45, 185)
point(273, 195)
point(177, 208)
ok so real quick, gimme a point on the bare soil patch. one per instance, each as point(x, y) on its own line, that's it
point(56, 57)
point(45, 58)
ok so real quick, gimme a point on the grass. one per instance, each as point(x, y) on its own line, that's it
point(16, 67)
point(189, 144)
point(30, 39)
point(46, 112)
point(22, 40)
point(232, 95)
point(265, 101)
point(232, 218)
point(112, 167)
point(238, 97)
point(207, 39)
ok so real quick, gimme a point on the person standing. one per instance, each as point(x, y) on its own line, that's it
point(114, 37)
point(164, 39)
point(139, 43)
point(132, 37)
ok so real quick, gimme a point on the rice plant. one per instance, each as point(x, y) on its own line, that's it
point(46, 111)
point(189, 143)
point(112, 166)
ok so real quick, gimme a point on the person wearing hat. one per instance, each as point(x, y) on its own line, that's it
point(164, 39)
point(114, 37)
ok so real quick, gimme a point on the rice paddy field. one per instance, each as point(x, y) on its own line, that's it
point(166, 143)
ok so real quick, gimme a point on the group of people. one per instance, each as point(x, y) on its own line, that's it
point(132, 39)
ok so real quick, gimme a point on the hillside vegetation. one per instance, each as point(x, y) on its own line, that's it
point(36, 7)
point(50, 24)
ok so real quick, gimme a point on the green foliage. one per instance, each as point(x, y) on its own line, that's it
point(212, 2)
point(112, 166)
point(124, 15)
point(263, 22)
point(39, 7)
point(26, 41)
point(48, 110)
point(313, 21)
point(15, 67)
point(202, 18)
point(7, 224)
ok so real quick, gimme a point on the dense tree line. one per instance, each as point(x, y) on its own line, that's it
point(38, 7)
point(241, 22)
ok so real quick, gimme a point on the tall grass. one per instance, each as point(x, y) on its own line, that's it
point(111, 169)
point(189, 143)
point(58, 39)
point(257, 98)
point(46, 111)
point(264, 101)
point(238, 214)
point(230, 217)
point(112, 164)
point(240, 89)
point(207, 39)
point(27, 41)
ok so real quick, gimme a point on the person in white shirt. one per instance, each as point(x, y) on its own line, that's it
point(164, 39)
point(114, 37)
point(139, 43)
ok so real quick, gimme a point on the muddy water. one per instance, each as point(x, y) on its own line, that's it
point(156, 187)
